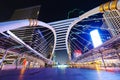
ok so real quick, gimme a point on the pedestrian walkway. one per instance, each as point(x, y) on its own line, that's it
point(58, 74)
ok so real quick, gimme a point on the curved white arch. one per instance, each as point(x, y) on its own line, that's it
point(52, 29)
point(12, 25)
point(86, 15)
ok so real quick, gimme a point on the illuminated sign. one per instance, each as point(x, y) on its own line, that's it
point(77, 53)
point(95, 38)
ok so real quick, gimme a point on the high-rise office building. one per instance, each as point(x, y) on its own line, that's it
point(25, 13)
point(111, 15)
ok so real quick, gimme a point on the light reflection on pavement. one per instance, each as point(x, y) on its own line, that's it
point(58, 74)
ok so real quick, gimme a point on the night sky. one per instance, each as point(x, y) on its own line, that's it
point(51, 10)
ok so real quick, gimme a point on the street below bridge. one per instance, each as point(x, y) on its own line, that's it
point(58, 74)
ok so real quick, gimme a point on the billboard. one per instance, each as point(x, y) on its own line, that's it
point(95, 38)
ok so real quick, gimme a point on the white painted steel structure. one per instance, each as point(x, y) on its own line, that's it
point(12, 25)
point(86, 15)
point(61, 28)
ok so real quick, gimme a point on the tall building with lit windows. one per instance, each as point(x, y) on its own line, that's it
point(111, 15)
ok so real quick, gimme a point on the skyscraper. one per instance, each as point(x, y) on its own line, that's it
point(111, 15)
point(26, 13)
